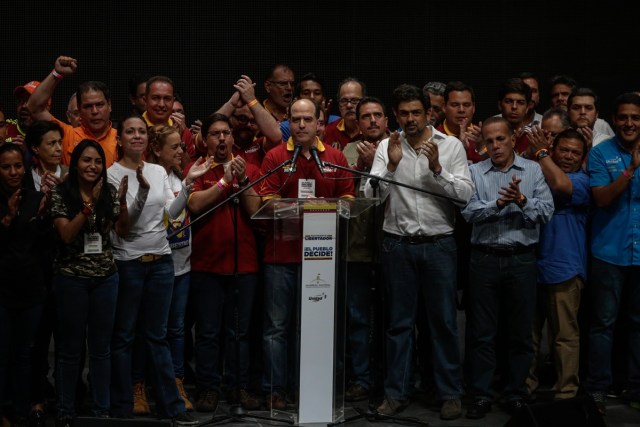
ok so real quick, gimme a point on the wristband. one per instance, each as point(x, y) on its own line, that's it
point(437, 174)
point(252, 103)
point(86, 210)
point(627, 174)
point(56, 74)
point(222, 184)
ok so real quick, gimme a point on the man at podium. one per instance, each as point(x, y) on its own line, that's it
point(304, 177)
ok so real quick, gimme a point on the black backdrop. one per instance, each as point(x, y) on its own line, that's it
point(204, 46)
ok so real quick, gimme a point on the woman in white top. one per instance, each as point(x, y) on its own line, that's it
point(146, 272)
point(165, 149)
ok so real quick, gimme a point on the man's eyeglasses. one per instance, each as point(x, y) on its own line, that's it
point(217, 133)
point(352, 101)
point(283, 83)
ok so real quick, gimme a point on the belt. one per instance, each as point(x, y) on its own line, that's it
point(149, 258)
point(416, 240)
point(504, 251)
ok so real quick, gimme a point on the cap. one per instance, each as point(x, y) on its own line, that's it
point(28, 88)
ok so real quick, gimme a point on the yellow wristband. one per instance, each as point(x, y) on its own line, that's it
point(252, 103)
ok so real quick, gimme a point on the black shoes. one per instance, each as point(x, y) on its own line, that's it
point(478, 409)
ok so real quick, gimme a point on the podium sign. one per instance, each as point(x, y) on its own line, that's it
point(317, 311)
point(321, 387)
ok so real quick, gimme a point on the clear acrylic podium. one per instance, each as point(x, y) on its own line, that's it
point(318, 228)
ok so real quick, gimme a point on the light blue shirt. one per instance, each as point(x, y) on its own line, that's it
point(510, 226)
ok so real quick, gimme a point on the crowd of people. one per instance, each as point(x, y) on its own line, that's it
point(522, 219)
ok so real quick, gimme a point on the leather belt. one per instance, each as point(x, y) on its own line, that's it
point(149, 258)
point(504, 251)
point(416, 240)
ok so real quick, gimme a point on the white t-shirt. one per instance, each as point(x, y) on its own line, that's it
point(181, 243)
point(147, 232)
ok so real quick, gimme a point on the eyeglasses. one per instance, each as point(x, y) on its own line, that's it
point(283, 83)
point(244, 119)
point(217, 133)
point(352, 101)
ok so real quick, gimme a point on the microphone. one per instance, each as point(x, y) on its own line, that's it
point(296, 153)
point(314, 153)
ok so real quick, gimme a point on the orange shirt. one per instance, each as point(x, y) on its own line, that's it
point(73, 136)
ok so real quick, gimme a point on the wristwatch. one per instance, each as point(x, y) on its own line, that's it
point(244, 182)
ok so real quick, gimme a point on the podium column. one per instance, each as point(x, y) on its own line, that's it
point(317, 314)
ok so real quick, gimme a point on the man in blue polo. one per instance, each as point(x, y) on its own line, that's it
point(615, 247)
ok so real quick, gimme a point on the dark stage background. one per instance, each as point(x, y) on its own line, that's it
point(205, 46)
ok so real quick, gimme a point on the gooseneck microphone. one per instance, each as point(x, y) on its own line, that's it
point(314, 153)
point(296, 153)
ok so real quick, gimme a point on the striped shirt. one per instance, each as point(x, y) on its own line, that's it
point(510, 226)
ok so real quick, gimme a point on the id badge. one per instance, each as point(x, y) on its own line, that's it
point(92, 243)
point(306, 188)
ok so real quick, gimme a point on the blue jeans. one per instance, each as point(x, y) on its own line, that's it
point(215, 298)
point(359, 283)
point(500, 282)
point(608, 282)
point(281, 302)
point(426, 270)
point(175, 327)
point(85, 307)
point(144, 299)
point(17, 332)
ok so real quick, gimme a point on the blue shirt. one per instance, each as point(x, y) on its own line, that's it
point(562, 253)
point(615, 229)
point(510, 226)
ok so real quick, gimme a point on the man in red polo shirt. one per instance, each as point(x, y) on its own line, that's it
point(282, 252)
point(341, 132)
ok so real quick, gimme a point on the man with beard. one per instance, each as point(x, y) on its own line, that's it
point(224, 279)
point(419, 249)
point(341, 132)
point(94, 104)
point(16, 129)
point(561, 88)
point(582, 106)
point(363, 271)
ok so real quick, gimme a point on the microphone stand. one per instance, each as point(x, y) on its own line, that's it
point(370, 414)
point(237, 413)
point(455, 200)
point(230, 198)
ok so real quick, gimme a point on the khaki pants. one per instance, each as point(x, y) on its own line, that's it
point(558, 304)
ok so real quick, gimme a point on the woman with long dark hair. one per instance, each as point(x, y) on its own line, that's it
point(85, 209)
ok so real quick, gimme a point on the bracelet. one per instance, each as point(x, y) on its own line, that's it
point(56, 74)
point(252, 103)
point(222, 184)
point(86, 210)
point(244, 182)
point(437, 174)
point(627, 174)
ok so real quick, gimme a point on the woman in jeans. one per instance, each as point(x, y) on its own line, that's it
point(85, 209)
point(146, 273)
